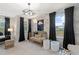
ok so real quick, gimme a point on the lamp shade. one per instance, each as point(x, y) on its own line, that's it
point(10, 29)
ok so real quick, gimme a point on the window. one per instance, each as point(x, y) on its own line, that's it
point(25, 26)
point(60, 20)
point(2, 26)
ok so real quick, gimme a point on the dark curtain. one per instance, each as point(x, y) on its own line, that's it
point(29, 28)
point(29, 25)
point(40, 27)
point(21, 36)
point(7, 25)
point(69, 37)
point(52, 32)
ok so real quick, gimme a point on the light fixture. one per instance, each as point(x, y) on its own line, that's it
point(10, 29)
point(28, 11)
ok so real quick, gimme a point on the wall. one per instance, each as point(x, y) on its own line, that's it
point(46, 23)
point(34, 25)
point(76, 24)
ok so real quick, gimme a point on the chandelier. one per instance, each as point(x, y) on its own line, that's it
point(28, 11)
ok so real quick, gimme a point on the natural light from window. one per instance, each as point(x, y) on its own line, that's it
point(2, 26)
point(59, 22)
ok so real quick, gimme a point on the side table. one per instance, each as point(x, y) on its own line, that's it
point(46, 44)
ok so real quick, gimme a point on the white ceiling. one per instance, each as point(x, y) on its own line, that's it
point(13, 9)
